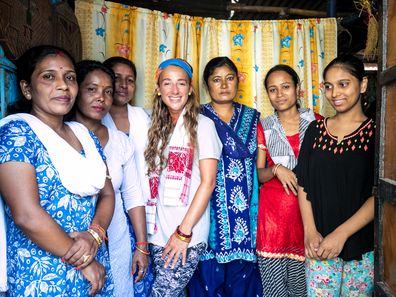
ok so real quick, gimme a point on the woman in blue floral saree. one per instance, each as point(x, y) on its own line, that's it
point(54, 182)
point(228, 267)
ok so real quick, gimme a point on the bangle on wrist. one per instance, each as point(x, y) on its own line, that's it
point(102, 231)
point(142, 251)
point(182, 238)
point(275, 168)
point(183, 234)
point(96, 236)
point(142, 243)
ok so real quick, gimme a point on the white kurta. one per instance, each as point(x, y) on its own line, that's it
point(139, 123)
point(122, 169)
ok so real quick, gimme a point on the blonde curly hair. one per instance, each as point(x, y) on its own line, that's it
point(162, 128)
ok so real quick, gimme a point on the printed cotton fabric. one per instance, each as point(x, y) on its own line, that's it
point(31, 270)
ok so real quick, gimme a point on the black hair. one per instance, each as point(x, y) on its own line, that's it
point(290, 71)
point(83, 68)
point(285, 68)
point(216, 63)
point(110, 62)
point(350, 63)
point(355, 67)
point(26, 64)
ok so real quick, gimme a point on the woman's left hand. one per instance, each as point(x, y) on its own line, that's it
point(288, 179)
point(332, 245)
point(83, 250)
point(173, 249)
point(140, 264)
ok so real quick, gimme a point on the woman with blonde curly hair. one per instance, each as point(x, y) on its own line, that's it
point(182, 155)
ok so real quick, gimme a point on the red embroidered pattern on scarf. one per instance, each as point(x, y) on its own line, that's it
point(153, 182)
point(180, 160)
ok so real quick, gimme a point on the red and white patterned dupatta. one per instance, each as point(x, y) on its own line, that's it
point(178, 174)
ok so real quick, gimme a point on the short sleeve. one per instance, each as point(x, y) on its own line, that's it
point(17, 143)
point(209, 143)
point(260, 137)
point(302, 168)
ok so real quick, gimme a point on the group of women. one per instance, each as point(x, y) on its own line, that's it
point(187, 199)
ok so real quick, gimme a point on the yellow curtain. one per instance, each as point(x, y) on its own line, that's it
point(148, 37)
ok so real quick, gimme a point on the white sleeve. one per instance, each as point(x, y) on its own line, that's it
point(131, 190)
point(209, 143)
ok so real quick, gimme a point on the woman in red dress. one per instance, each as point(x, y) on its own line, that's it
point(280, 235)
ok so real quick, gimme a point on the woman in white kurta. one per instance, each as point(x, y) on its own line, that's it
point(94, 100)
point(134, 122)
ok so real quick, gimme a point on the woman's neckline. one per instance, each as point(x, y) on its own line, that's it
point(347, 136)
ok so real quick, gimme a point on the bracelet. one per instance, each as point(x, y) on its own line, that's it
point(182, 234)
point(142, 243)
point(182, 238)
point(96, 236)
point(108, 176)
point(275, 168)
point(142, 251)
point(100, 229)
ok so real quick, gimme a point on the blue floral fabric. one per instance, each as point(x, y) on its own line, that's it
point(234, 202)
point(31, 270)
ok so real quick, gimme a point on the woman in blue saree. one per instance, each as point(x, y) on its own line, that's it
point(228, 267)
point(54, 182)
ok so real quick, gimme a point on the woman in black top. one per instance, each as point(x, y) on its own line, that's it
point(335, 174)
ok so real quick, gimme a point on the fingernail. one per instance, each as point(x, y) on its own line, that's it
point(77, 268)
point(63, 260)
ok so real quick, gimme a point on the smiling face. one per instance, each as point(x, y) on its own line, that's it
point(174, 86)
point(282, 91)
point(95, 96)
point(342, 89)
point(223, 85)
point(124, 84)
point(53, 87)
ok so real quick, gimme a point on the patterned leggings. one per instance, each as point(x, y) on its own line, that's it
point(337, 277)
point(282, 277)
point(170, 282)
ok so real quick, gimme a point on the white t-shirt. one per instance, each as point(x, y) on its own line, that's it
point(169, 217)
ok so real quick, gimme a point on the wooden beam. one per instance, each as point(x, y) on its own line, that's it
point(274, 9)
point(387, 76)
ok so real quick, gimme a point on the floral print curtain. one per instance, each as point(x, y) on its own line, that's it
point(148, 37)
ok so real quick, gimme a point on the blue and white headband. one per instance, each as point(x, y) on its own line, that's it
point(176, 62)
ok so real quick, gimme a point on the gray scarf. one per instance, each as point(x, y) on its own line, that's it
point(278, 146)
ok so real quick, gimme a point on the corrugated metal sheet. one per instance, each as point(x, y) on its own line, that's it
point(220, 8)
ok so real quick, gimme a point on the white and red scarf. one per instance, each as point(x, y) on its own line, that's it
point(178, 174)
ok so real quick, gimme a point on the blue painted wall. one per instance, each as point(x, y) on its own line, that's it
point(8, 83)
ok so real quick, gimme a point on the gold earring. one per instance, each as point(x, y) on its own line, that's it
point(159, 94)
point(189, 94)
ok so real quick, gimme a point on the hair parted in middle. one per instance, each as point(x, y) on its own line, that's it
point(161, 123)
point(215, 63)
point(291, 72)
